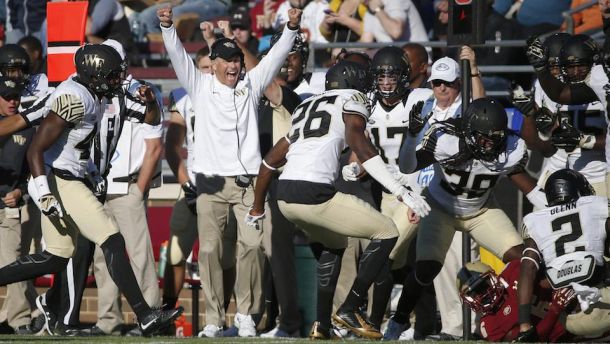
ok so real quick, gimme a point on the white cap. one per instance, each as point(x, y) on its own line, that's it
point(446, 69)
point(117, 46)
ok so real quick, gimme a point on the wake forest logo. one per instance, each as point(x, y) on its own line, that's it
point(93, 60)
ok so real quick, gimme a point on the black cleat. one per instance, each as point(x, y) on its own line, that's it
point(357, 323)
point(158, 320)
point(50, 319)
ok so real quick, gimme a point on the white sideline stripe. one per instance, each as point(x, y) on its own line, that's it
point(62, 50)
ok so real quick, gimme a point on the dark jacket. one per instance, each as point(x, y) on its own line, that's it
point(14, 169)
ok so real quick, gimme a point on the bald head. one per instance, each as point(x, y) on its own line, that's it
point(418, 59)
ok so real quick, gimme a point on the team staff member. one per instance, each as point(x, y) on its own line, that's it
point(14, 171)
point(227, 156)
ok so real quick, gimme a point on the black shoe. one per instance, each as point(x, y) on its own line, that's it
point(93, 331)
point(357, 323)
point(24, 330)
point(443, 337)
point(69, 331)
point(49, 317)
point(37, 325)
point(158, 320)
point(134, 332)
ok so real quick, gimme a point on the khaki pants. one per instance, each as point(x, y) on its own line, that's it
point(129, 211)
point(343, 216)
point(183, 233)
point(11, 247)
point(82, 213)
point(491, 229)
point(217, 195)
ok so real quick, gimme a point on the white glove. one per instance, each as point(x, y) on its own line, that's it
point(586, 295)
point(402, 178)
point(50, 206)
point(350, 172)
point(413, 200)
point(252, 220)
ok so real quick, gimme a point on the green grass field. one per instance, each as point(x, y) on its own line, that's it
point(113, 340)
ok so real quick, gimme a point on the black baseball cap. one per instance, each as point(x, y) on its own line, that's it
point(225, 48)
point(241, 20)
point(8, 87)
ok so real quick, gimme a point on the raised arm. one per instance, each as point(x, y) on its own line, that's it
point(530, 264)
point(185, 69)
point(262, 75)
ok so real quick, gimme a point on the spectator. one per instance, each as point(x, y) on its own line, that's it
point(586, 20)
point(343, 21)
point(33, 47)
point(418, 60)
point(25, 18)
point(241, 26)
point(106, 20)
point(529, 15)
point(393, 20)
point(147, 21)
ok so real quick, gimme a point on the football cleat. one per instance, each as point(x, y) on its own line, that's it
point(357, 323)
point(158, 319)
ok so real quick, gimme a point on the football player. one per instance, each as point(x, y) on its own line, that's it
point(393, 100)
point(567, 241)
point(575, 133)
point(494, 298)
point(593, 76)
point(58, 158)
point(323, 126)
point(469, 155)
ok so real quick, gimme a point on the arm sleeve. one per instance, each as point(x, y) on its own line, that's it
point(35, 113)
point(185, 69)
point(270, 65)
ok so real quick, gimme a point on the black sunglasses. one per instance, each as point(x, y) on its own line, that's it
point(437, 83)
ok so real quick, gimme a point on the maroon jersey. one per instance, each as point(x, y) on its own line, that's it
point(503, 325)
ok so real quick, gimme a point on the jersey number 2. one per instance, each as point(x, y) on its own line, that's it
point(575, 232)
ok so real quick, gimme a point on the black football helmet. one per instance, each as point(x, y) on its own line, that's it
point(14, 63)
point(479, 287)
point(485, 129)
point(578, 50)
point(564, 186)
point(391, 62)
point(100, 68)
point(348, 75)
point(554, 43)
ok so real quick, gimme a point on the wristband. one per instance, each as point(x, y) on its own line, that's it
point(293, 28)
point(269, 166)
point(525, 313)
point(475, 75)
point(42, 185)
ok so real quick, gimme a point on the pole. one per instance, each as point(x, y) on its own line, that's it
point(466, 90)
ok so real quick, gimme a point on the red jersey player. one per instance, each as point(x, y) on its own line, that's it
point(495, 298)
